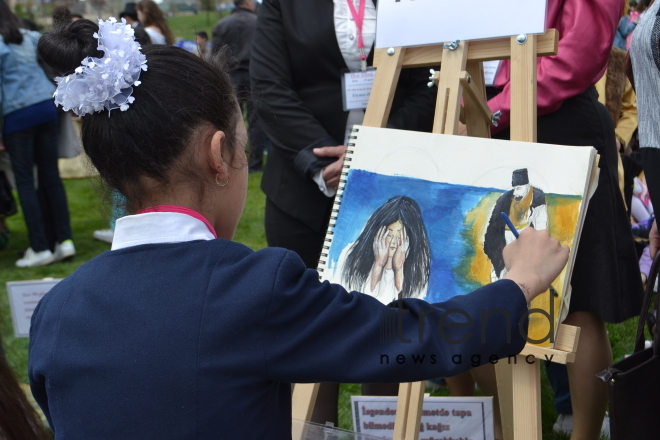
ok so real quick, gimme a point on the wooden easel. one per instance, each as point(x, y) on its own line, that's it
point(462, 76)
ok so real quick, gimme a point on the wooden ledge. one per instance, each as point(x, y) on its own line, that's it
point(480, 50)
point(565, 346)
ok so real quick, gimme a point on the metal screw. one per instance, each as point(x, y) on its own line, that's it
point(451, 46)
point(390, 51)
point(431, 82)
point(521, 39)
point(495, 118)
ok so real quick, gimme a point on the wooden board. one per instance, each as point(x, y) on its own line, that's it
point(484, 50)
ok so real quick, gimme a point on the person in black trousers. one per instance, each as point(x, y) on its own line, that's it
point(234, 33)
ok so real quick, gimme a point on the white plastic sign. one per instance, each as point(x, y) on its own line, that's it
point(23, 299)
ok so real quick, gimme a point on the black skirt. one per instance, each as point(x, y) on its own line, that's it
point(606, 277)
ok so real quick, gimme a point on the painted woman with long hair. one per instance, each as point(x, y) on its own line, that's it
point(391, 256)
point(153, 21)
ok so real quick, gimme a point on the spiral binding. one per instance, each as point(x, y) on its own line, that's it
point(323, 260)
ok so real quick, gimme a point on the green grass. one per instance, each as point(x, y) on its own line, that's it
point(185, 26)
point(89, 212)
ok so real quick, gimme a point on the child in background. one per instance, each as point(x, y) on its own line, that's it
point(641, 209)
point(203, 45)
point(178, 332)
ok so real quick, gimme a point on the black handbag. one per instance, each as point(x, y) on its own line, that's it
point(634, 382)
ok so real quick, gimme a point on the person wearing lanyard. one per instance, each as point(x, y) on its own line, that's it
point(298, 53)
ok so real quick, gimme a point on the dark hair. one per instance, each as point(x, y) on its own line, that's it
point(202, 34)
point(132, 15)
point(642, 5)
point(61, 16)
point(18, 420)
point(416, 268)
point(153, 16)
point(238, 3)
point(180, 93)
point(9, 25)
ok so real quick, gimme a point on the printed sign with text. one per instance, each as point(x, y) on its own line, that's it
point(357, 89)
point(23, 299)
point(443, 418)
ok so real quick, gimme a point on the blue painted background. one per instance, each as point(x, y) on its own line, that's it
point(444, 208)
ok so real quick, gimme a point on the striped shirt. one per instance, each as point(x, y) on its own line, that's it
point(645, 55)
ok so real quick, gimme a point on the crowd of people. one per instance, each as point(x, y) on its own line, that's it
point(181, 183)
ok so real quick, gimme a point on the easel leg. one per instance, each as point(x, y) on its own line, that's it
point(402, 405)
point(476, 126)
point(408, 411)
point(450, 90)
point(504, 374)
point(527, 404)
point(380, 101)
point(486, 378)
point(415, 418)
point(302, 406)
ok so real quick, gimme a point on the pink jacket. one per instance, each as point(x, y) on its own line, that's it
point(586, 31)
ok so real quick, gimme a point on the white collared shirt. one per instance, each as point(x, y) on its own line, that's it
point(158, 227)
point(346, 31)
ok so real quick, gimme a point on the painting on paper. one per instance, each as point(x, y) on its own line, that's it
point(404, 232)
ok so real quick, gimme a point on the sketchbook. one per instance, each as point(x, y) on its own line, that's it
point(418, 215)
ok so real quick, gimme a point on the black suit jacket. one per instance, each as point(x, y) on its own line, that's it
point(295, 69)
point(236, 32)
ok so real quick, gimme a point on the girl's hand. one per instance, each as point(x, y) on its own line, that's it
point(381, 246)
point(401, 251)
point(534, 260)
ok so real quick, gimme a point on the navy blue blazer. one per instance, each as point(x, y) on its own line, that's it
point(202, 339)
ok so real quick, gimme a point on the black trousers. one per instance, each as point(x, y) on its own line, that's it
point(285, 231)
point(256, 135)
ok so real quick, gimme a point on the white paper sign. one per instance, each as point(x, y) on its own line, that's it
point(420, 22)
point(442, 417)
point(23, 298)
point(490, 71)
point(357, 89)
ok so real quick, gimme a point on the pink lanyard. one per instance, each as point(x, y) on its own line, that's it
point(181, 210)
point(359, 20)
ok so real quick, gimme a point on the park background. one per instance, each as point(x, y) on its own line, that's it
point(90, 211)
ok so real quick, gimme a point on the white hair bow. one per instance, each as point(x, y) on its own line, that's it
point(107, 82)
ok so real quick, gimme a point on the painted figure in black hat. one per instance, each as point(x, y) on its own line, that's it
point(525, 206)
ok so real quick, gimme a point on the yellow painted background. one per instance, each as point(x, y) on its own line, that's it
point(562, 222)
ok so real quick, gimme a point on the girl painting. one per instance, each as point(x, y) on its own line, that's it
point(391, 256)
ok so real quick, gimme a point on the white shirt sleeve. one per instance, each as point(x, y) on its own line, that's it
point(323, 187)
